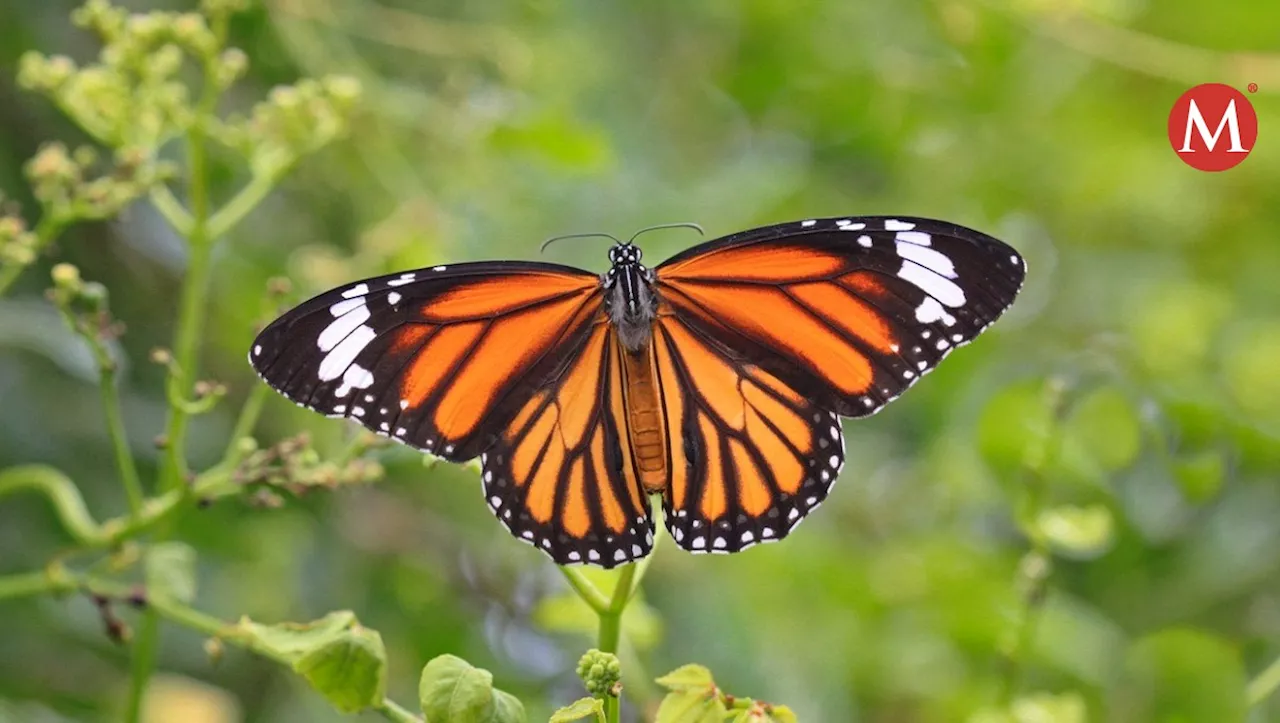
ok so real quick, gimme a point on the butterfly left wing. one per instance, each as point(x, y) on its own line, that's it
point(440, 358)
point(850, 312)
point(766, 337)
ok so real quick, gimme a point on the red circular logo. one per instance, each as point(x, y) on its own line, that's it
point(1213, 127)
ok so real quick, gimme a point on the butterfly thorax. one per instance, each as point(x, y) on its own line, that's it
point(629, 297)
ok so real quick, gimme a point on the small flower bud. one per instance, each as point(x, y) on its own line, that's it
point(214, 648)
point(66, 276)
point(161, 356)
point(232, 64)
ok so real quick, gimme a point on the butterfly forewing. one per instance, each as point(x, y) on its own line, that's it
point(437, 358)
point(849, 311)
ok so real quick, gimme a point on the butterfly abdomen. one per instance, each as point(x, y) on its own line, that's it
point(646, 417)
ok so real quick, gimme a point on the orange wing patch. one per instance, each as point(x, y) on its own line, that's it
point(755, 263)
point(770, 316)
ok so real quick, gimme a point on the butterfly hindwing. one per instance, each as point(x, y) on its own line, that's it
point(437, 358)
point(750, 456)
point(849, 311)
point(560, 476)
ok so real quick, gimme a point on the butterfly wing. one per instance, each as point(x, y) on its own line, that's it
point(749, 455)
point(562, 476)
point(441, 358)
point(771, 333)
point(514, 362)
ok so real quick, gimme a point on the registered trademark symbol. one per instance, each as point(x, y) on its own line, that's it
point(1253, 87)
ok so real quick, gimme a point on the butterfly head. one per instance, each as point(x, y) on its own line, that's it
point(630, 299)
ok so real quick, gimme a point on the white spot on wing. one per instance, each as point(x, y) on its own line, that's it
point(393, 298)
point(930, 311)
point(355, 377)
point(914, 237)
point(894, 224)
point(257, 349)
point(864, 241)
point(340, 328)
point(357, 290)
point(938, 287)
point(438, 268)
point(927, 257)
point(336, 362)
point(807, 224)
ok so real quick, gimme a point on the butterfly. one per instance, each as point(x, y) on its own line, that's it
point(716, 379)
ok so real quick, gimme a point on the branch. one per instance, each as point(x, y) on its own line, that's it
point(50, 225)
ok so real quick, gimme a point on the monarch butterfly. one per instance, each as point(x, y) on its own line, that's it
point(717, 379)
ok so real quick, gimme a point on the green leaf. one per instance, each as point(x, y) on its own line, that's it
point(452, 690)
point(691, 706)
point(1181, 675)
point(349, 670)
point(507, 708)
point(171, 571)
point(688, 677)
point(1080, 532)
point(293, 640)
point(579, 709)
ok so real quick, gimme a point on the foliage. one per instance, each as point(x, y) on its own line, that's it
point(1072, 520)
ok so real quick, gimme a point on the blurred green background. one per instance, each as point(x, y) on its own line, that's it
point(1128, 407)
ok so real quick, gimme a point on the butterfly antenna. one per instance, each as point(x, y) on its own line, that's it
point(554, 239)
point(659, 227)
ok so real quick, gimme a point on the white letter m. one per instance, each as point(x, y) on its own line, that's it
point(1229, 121)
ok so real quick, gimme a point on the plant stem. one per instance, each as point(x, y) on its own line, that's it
point(396, 713)
point(1264, 684)
point(611, 617)
point(589, 593)
point(244, 201)
point(26, 584)
point(145, 648)
point(46, 230)
point(68, 504)
point(171, 209)
point(125, 464)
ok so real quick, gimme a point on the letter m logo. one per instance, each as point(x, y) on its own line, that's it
point(1213, 127)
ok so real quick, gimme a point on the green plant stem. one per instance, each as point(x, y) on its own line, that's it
point(70, 508)
point(67, 502)
point(611, 617)
point(145, 650)
point(245, 423)
point(46, 231)
point(1264, 684)
point(397, 713)
point(244, 201)
point(168, 206)
point(589, 593)
point(125, 464)
point(25, 584)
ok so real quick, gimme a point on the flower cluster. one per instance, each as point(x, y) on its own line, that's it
point(600, 673)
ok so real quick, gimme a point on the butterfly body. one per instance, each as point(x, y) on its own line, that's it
point(716, 380)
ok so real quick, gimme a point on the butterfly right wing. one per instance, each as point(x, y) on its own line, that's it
point(561, 476)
